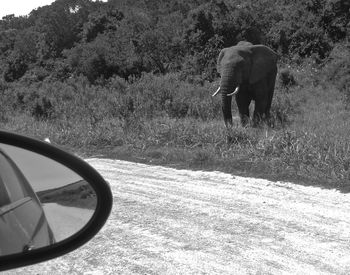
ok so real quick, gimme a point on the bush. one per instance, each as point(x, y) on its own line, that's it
point(286, 78)
point(168, 95)
point(34, 101)
point(308, 153)
point(15, 69)
point(282, 109)
point(240, 136)
point(42, 108)
point(36, 74)
point(337, 70)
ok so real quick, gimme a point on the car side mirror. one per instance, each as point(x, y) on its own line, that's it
point(51, 202)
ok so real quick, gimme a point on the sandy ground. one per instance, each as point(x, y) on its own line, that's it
point(167, 221)
point(66, 221)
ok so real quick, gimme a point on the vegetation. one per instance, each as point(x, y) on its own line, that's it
point(133, 79)
point(79, 194)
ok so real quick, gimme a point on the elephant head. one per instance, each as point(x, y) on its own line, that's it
point(242, 68)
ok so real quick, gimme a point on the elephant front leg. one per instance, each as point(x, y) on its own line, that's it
point(243, 102)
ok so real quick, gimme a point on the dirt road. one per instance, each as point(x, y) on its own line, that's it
point(167, 221)
point(66, 221)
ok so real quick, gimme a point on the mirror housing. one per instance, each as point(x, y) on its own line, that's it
point(85, 171)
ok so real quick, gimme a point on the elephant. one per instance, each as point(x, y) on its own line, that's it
point(249, 72)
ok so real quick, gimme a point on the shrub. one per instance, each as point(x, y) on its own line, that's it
point(201, 157)
point(286, 78)
point(33, 100)
point(168, 95)
point(15, 69)
point(36, 74)
point(284, 106)
point(42, 108)
point(337, 70)
point(240, 136)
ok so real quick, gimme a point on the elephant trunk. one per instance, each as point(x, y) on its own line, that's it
point(227, 84)
point(228, 80)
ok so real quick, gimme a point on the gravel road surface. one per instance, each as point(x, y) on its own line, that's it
point(65, 220)
point(167, 221)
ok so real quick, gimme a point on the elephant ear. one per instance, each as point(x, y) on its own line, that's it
point(218, 64)
point(264, 60)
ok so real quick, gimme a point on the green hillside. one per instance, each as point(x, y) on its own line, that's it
point(78, 194)
point(133, 80)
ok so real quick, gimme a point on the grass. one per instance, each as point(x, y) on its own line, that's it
point(78, 194)
point(163, 120)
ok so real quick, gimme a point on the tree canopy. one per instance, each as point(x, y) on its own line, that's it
point(125, 38)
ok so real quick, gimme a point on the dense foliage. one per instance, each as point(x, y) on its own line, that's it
point(125, 38)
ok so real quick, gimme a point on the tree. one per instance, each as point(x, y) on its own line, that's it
point(100, 21)
point(60, 24)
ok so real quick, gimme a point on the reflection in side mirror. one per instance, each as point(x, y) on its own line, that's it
point(41, 201)
point(51, 202)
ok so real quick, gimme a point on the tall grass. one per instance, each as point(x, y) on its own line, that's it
point(163, 119)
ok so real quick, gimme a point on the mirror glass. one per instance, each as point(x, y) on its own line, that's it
point(42, 202)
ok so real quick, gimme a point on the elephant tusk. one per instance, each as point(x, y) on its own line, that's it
point(214, 94)
point(234, 92)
